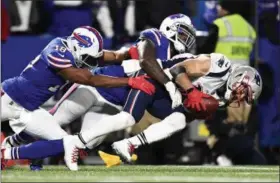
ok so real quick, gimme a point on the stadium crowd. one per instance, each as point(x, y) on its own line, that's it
point(248, 135)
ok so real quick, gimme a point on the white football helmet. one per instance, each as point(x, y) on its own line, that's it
point(86, 44)
point(178, 29)
point(244, 84)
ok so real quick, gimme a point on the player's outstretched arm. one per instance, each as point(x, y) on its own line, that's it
point(85, 77)
point(190, 69)
point(182, 74)
point(118, 56)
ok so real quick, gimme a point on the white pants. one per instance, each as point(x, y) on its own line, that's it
point(86, 102)
point(38, 123)
point(9, 109)
point(78, 100)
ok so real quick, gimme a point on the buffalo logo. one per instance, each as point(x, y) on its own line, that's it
point(83, 41)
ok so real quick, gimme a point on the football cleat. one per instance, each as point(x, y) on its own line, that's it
point(71, 146)
point(124, 149)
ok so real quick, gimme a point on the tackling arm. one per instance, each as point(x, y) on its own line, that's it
point(85, 77)
point(147, 58)
point(115, 56)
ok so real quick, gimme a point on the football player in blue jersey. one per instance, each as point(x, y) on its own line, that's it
point(63, 60)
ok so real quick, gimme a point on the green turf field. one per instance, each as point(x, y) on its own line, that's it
point(145, 173)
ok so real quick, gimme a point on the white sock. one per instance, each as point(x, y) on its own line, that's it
point(7, 153)
point(161, 130)
point(109, 124)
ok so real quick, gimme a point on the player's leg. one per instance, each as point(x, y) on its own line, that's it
point(174, 122)
point(9, 109)
point(16, 140)
point(134, 109)
point(76, 101)
point(39, 124)
point(35, 150)
point(42, 149)
point(94, 118)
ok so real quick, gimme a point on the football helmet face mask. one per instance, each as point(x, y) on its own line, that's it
point(244, 85)
point(86, 45)
point(180, 31)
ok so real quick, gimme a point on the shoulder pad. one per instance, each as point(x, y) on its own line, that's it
point(220, 65)
point(57, 55)
point(153, 35)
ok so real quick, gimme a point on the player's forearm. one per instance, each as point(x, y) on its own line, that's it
point(183, 81)
point(181, 78)
point(153, 69)
point(147, 58)
point(115, 56)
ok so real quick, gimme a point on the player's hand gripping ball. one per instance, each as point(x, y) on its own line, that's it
point(201, 105)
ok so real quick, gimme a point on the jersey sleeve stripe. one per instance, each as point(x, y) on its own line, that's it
point(60, 65)
point(59, 59)
point(156, 36)
point(218, 74)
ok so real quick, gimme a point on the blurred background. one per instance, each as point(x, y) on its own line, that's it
point(245, 136)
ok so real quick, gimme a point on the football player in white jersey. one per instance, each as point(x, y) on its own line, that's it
point(209, 73)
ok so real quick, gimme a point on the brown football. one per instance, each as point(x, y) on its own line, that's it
point(211, 105)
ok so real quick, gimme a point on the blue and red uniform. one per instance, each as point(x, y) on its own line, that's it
point(39, 80)
point(134, 101)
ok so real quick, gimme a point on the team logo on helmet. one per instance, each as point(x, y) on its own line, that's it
point(83, 41)
point(176, 16)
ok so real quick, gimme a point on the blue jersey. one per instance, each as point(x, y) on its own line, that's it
point(162, 44)
point(119, 95)
point(115, 95)
point(39, 80)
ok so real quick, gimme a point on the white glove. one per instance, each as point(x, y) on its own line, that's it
point(174, 94)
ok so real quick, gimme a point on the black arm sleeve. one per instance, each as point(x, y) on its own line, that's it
point(209, 44)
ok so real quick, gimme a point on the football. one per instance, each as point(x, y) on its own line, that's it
point(211, 105)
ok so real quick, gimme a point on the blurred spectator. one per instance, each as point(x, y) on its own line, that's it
point(5, 26)
point(234, 37)
point(268, 52)
point(230, 34)
point(68, 15)
point(233, 143)
point(28, 16)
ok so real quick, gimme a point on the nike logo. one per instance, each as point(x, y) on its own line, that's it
point(60, 55)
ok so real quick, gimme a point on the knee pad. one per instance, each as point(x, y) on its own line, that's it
point(127, 117)
point(176, 120)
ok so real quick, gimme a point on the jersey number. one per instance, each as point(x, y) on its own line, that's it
point(60, 48)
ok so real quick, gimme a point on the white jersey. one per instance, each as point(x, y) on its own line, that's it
point(217, 75)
